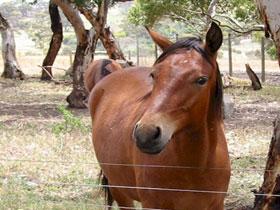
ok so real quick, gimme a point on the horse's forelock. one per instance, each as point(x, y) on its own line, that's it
point(188, 44)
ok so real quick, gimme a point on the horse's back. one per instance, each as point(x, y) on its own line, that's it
point(98, 69)
point(115, 104)
point(119, 88)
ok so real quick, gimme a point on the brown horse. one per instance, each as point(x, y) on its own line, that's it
point(161, 129)
point(98, 69)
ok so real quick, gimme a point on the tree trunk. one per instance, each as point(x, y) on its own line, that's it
point(264, 199)
point(269, 11)
point(256, 83)
point(86, 42)
point(98, 21)
point(11, 67)
point(83, 56)
point(111, 45)
point(55, 43)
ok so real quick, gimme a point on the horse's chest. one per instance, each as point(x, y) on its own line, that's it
point(176, 178)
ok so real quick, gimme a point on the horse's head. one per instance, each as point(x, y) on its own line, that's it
point(186, 90)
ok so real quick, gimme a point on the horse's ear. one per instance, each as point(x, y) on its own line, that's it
point(214, 38)
point(160, 40)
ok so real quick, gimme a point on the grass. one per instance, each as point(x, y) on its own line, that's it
point(69, 124)
point(249, 132)
point(270, 93)
point(36, 125)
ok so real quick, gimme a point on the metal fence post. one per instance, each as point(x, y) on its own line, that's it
point(156, 52)
point(177, 37)
point(263, 59)
point(71, 58)
point(229, 54)
point(129, 55)
point(137, 50)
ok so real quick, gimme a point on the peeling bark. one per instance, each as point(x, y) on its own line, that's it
point(55, 43)
point(83, 56)
point(271, 183)
point(86, 42)
point(111, 45)
point(269, 11)
point(98, 21)
point(11, 67)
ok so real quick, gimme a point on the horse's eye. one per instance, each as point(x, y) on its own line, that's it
point(201, 80)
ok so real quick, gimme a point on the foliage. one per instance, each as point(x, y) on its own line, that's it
point(69, 124)
point(237, 14)
point(147, 12)
point(272, 51)
point(269, 45)
point(93, 3)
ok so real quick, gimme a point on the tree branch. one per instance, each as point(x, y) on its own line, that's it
point(210, 13)
point(73, 15)
point(244, 31)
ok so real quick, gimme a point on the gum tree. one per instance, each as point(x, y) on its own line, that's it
point(55, 44)
point(11, 66)
point(96, 12)
point(269, 11)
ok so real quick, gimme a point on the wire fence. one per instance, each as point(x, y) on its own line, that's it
point(233, 55)
point(142, 187)
point(144, 61)
point(149, 188)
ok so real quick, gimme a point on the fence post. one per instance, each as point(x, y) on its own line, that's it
point(71, 58)
point(137, 50)
point(129, 55)
point(230, 54)
point(263, 59)
point(156, 51)
point(177, 37)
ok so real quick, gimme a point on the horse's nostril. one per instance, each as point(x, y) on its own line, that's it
point(156, 132)
point(146, 134)
point(148, 138)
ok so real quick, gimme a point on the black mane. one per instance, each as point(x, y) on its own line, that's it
point(104, 70)
point(188, 44)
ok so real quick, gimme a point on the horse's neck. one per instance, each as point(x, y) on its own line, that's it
point(197, 146)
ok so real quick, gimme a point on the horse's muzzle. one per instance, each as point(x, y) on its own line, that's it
point(148, 138)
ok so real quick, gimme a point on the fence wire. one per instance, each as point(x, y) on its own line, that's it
point(137, 165)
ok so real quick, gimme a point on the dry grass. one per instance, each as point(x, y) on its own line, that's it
point(248, 132)
point(29, 114)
